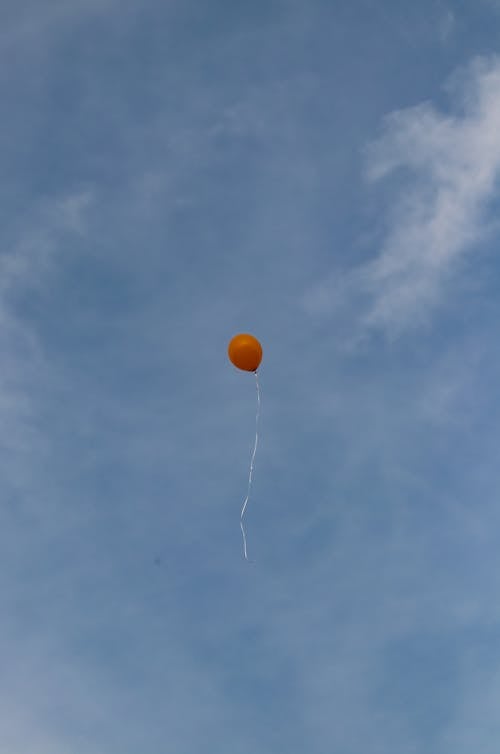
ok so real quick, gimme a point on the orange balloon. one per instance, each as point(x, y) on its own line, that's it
point(245, 352)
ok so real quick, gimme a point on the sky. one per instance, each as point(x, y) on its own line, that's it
point(326, 176)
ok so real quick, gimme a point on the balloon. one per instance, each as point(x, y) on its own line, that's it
point(245, 352)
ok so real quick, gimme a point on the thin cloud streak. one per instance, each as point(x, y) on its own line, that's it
point(448, 168)
point(25, 268)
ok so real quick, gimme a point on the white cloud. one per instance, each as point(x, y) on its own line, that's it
point(29, 20)
point(450, 164)
point(25, 266)
point(446, 26)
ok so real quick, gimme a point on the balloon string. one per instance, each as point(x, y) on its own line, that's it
point(251, 466)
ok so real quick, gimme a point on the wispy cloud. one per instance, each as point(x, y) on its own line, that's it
point(26, 264)
point(28, 21)
point(446, 168)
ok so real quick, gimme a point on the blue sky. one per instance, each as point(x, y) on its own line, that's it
point(326, 176)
